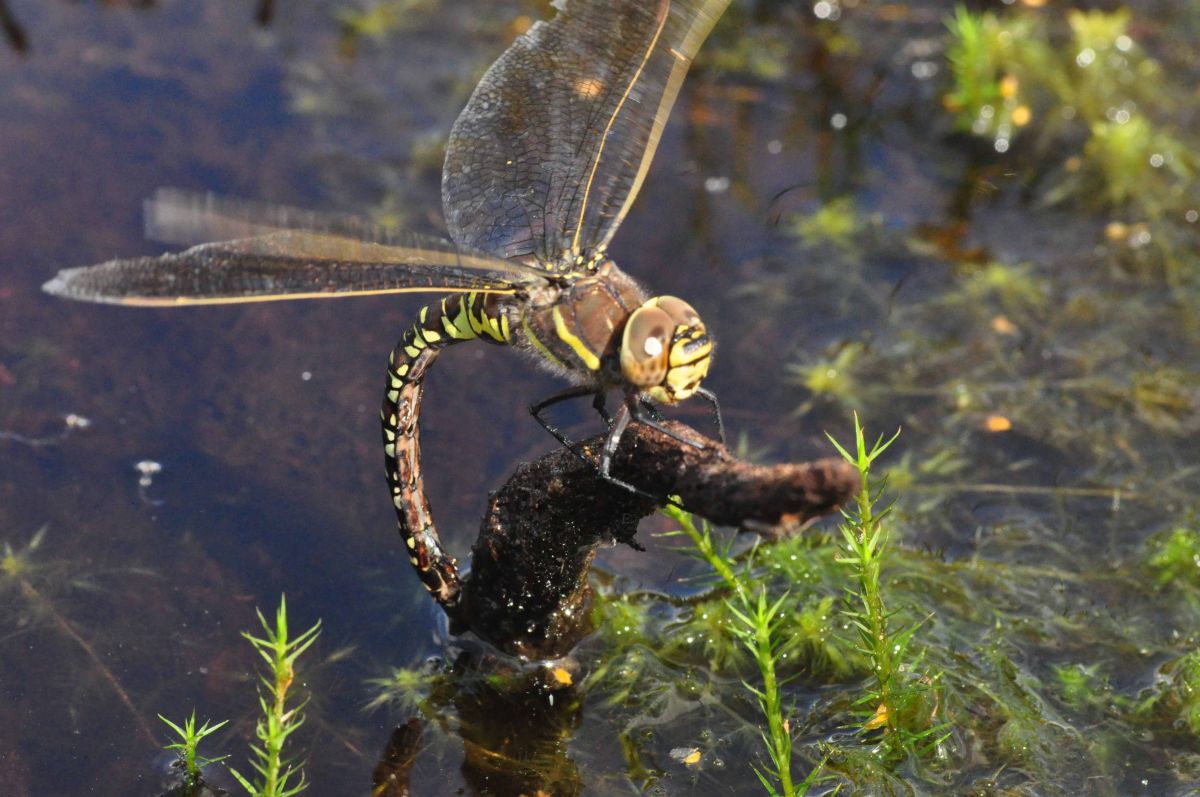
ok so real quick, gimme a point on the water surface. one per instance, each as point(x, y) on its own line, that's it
point(1025, 542)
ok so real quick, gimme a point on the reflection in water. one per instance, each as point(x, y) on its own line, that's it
point(13, 30)
point(265, 12)
point(516, 724)
point(18, 39)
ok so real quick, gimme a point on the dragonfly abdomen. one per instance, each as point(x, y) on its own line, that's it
point(454, 319)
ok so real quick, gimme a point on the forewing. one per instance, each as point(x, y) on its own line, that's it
point(553, 145)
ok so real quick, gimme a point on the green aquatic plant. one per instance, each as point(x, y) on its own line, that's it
point(759, 631)
point(404, 687)
point(190, 760)
point(277, 776)
point(833, 377)
point(1082, 686)
point(1174, 558)
point(1016, 286)
point(837, 223)
point(1167, 398)
point(902, 702)
point(1138, 161)
point(760, 628)
point(1096, 95)
point(1179, 694)
point(986, 98)
point(379, 19)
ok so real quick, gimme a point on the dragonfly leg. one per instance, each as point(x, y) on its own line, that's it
point(455, 319)
point(601, 409)
point(578, 391)
point(649, 415)
point(648, 406)
point(644, 412)
point(711, 398)
point(629, 410)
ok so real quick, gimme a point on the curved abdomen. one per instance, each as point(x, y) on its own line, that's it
point(452, 320)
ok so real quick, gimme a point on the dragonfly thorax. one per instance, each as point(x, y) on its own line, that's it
point(601, 329)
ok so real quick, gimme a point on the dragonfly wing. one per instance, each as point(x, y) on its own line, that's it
point(181, 217)
point(289, 264)
point(553, 145)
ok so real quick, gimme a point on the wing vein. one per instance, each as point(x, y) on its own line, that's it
point(664, 10)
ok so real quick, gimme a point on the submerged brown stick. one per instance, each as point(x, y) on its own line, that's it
point(528, 591)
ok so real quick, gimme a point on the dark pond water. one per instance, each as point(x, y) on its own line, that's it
point(1035, 334)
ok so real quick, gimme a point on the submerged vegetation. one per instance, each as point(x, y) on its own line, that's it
point(1095, 109)
point(36, 587)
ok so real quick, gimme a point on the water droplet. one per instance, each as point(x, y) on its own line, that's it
point(923, 70)
point(826, 9)
point(716, 185)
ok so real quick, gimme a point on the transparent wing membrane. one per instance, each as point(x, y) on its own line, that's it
point(283, 265)
point(281, 253)
point(179, 217)
point(553, 145)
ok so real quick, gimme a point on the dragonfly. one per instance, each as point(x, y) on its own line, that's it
point(541, 167)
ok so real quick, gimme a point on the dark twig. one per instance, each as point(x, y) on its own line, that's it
point(528, 590)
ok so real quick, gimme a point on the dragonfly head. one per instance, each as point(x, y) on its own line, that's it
point(665, 349)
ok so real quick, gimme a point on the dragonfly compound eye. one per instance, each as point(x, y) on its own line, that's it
point(680, 311)
point(645, 346)
point(688, 360)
